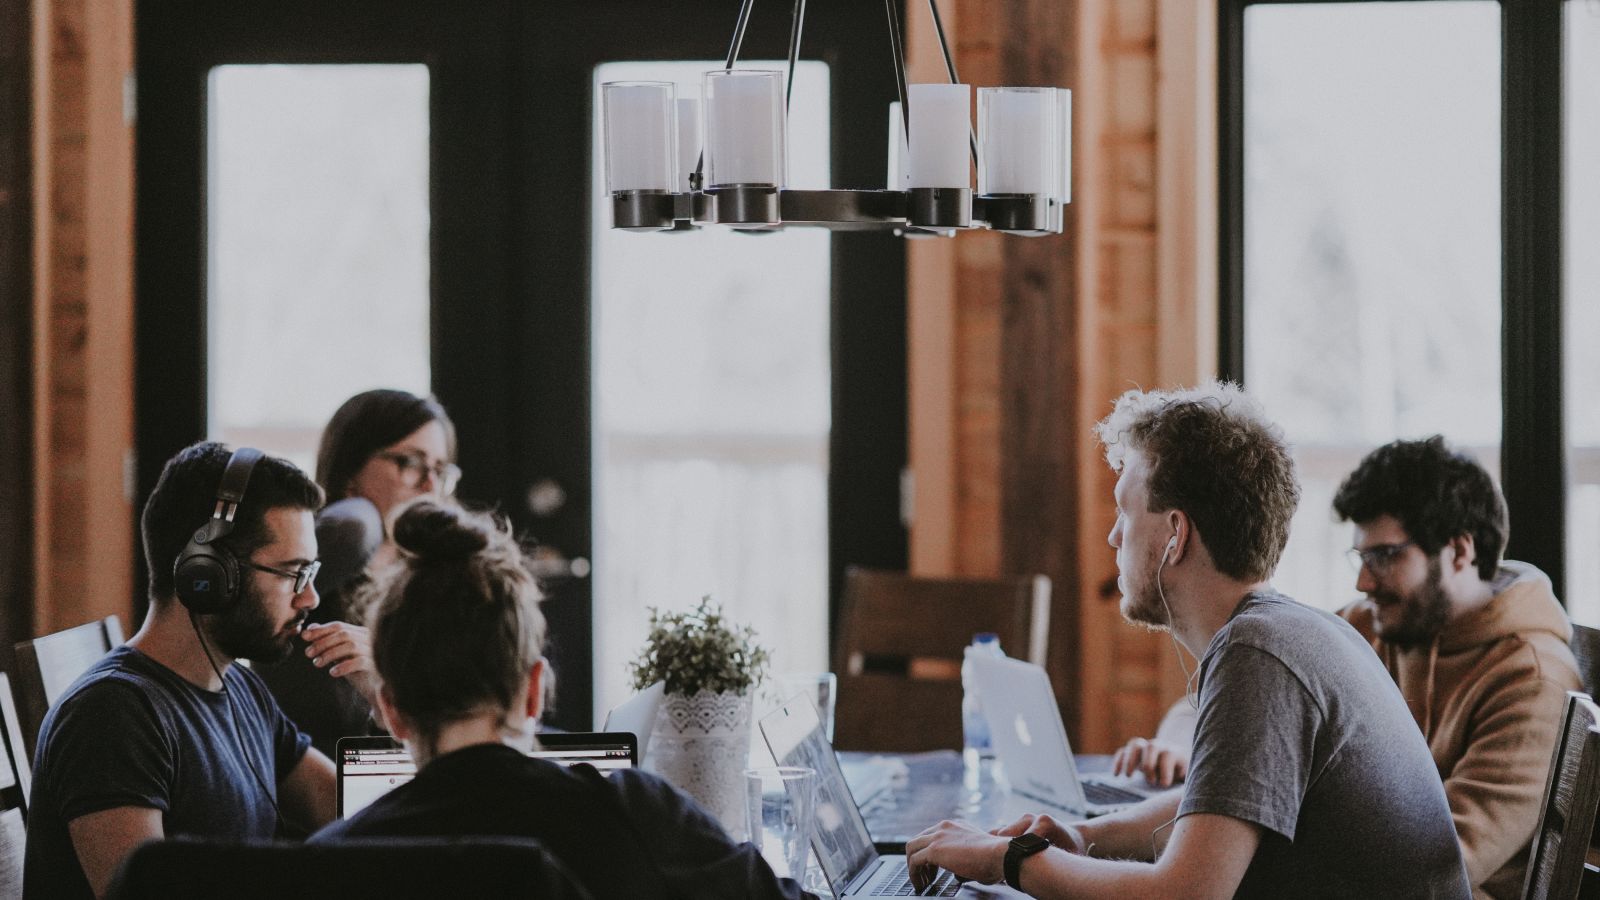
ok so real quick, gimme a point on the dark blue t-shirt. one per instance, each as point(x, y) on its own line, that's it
point(131, 732)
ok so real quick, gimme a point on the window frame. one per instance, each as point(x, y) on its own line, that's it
point(1533, 455)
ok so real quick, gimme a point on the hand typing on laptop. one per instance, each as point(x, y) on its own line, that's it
point(978, 856)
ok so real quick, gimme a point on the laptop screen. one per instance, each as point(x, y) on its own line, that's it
point(370, 767)
point(841, 839)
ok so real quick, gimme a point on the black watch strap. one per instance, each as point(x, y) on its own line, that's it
point(1022, 847)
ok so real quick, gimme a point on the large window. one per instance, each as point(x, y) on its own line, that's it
point(1371, 243)
point(317, 259)
point(712, 386)
point(1582, 291)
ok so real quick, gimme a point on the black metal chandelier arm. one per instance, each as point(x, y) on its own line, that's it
point(796, 25)
point(897, 46)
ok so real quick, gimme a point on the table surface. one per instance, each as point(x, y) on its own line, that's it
point(902, 794)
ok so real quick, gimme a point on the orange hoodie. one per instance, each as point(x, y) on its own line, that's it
point(1488, 694)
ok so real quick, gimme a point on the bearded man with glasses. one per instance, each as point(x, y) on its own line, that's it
point(1478, 646)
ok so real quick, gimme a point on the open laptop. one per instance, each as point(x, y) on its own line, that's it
point(637, 715)
point(842, 843)
point(1030, 741)
point(369, 767)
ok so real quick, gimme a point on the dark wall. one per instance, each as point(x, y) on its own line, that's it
point(16, 327)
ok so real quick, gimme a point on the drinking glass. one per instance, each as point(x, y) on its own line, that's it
point(819, 687)
point(780, 810)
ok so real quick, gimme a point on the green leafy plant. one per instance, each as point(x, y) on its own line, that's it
point(699, 650)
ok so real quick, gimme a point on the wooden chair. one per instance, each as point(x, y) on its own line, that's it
point(47, 666)
point(15, 781)
point(192, 869)
point(1571, 796)
point(1586, 647)
point(900, 648)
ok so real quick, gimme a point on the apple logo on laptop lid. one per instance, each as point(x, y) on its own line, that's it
point(1023, 735)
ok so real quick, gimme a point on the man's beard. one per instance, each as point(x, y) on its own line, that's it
point(1422, 615)
point(246, 631)
point(1142, 604)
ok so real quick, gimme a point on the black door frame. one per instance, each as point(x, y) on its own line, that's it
point(1533, 465)
point(509, 192)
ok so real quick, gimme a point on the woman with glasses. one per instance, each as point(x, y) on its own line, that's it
point(458, 644)
point(381, 450)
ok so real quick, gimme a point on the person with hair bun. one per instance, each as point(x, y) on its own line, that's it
point(458, 642)
point(381, 449)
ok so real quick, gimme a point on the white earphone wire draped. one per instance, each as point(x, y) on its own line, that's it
point(1188, 677)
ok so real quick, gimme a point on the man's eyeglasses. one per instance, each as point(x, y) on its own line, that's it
point(1377, 559)
point(302, 576)
point(413, 465)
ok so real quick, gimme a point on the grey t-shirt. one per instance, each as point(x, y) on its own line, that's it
point(1302, 732)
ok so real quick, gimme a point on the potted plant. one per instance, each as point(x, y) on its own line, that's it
point(702, 734)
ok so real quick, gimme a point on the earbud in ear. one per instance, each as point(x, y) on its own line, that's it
point(1172, 543)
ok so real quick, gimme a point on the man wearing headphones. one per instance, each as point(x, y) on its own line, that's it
point(1308, 778)
point(163, 735)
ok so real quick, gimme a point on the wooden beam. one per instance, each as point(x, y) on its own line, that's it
point(1039, 381)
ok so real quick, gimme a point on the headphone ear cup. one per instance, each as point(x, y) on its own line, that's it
point(207, 579)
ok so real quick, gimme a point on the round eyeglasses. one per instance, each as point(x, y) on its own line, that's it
point(1377, 559)
point(412, 467)
point(302, 576)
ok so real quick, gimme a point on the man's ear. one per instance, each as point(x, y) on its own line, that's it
point(390, 718)
point(1466, 552)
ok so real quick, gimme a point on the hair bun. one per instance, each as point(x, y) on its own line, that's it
point(435, 531)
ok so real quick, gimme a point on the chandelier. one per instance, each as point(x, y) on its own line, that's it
point(675, 163)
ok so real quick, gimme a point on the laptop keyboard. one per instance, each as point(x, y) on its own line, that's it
point(898, 884)
point(1108, 795)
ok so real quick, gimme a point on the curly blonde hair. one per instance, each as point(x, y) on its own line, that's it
point(1215, 455)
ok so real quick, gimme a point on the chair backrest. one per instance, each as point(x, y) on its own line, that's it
point(900, 646)
point(1586, 647)
point(47, 666)
point(15, 782)
point(185, 868)
point(1571, 795)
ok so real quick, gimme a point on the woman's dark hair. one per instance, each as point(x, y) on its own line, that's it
point(1435, 492)
point(456, 628)
point(367, 423)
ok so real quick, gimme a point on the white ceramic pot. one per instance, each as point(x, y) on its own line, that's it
point(701, 744)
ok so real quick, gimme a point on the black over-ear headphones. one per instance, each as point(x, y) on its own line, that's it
point(206, 573)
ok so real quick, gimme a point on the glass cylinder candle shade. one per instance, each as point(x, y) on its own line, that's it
point(1064, 148)
point(1018, 141)
point(899, 178)
point(639, 140)
point(745, 141)
point(688, 140)
point(941, 121)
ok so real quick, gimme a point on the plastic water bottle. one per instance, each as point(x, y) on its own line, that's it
point(974, 727)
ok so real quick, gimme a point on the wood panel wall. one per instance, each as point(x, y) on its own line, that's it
point(1020, 345)
point(82, 313)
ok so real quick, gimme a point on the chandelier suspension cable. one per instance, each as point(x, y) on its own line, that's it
point(796, 24)
point(697, 177)
point(897, 47)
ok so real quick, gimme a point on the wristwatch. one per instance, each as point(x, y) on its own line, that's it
point(1022, 847)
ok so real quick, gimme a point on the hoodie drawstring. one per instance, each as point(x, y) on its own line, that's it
point(1427, 691)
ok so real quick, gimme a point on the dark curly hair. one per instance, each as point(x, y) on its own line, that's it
point(1435, 492)
point(1214, 454)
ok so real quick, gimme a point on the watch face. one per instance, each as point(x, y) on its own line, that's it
point(1029, 843)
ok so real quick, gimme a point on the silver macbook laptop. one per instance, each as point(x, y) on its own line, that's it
point(637, 715)
point(369, 767)
point(1031, 743)
point(841, 840)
